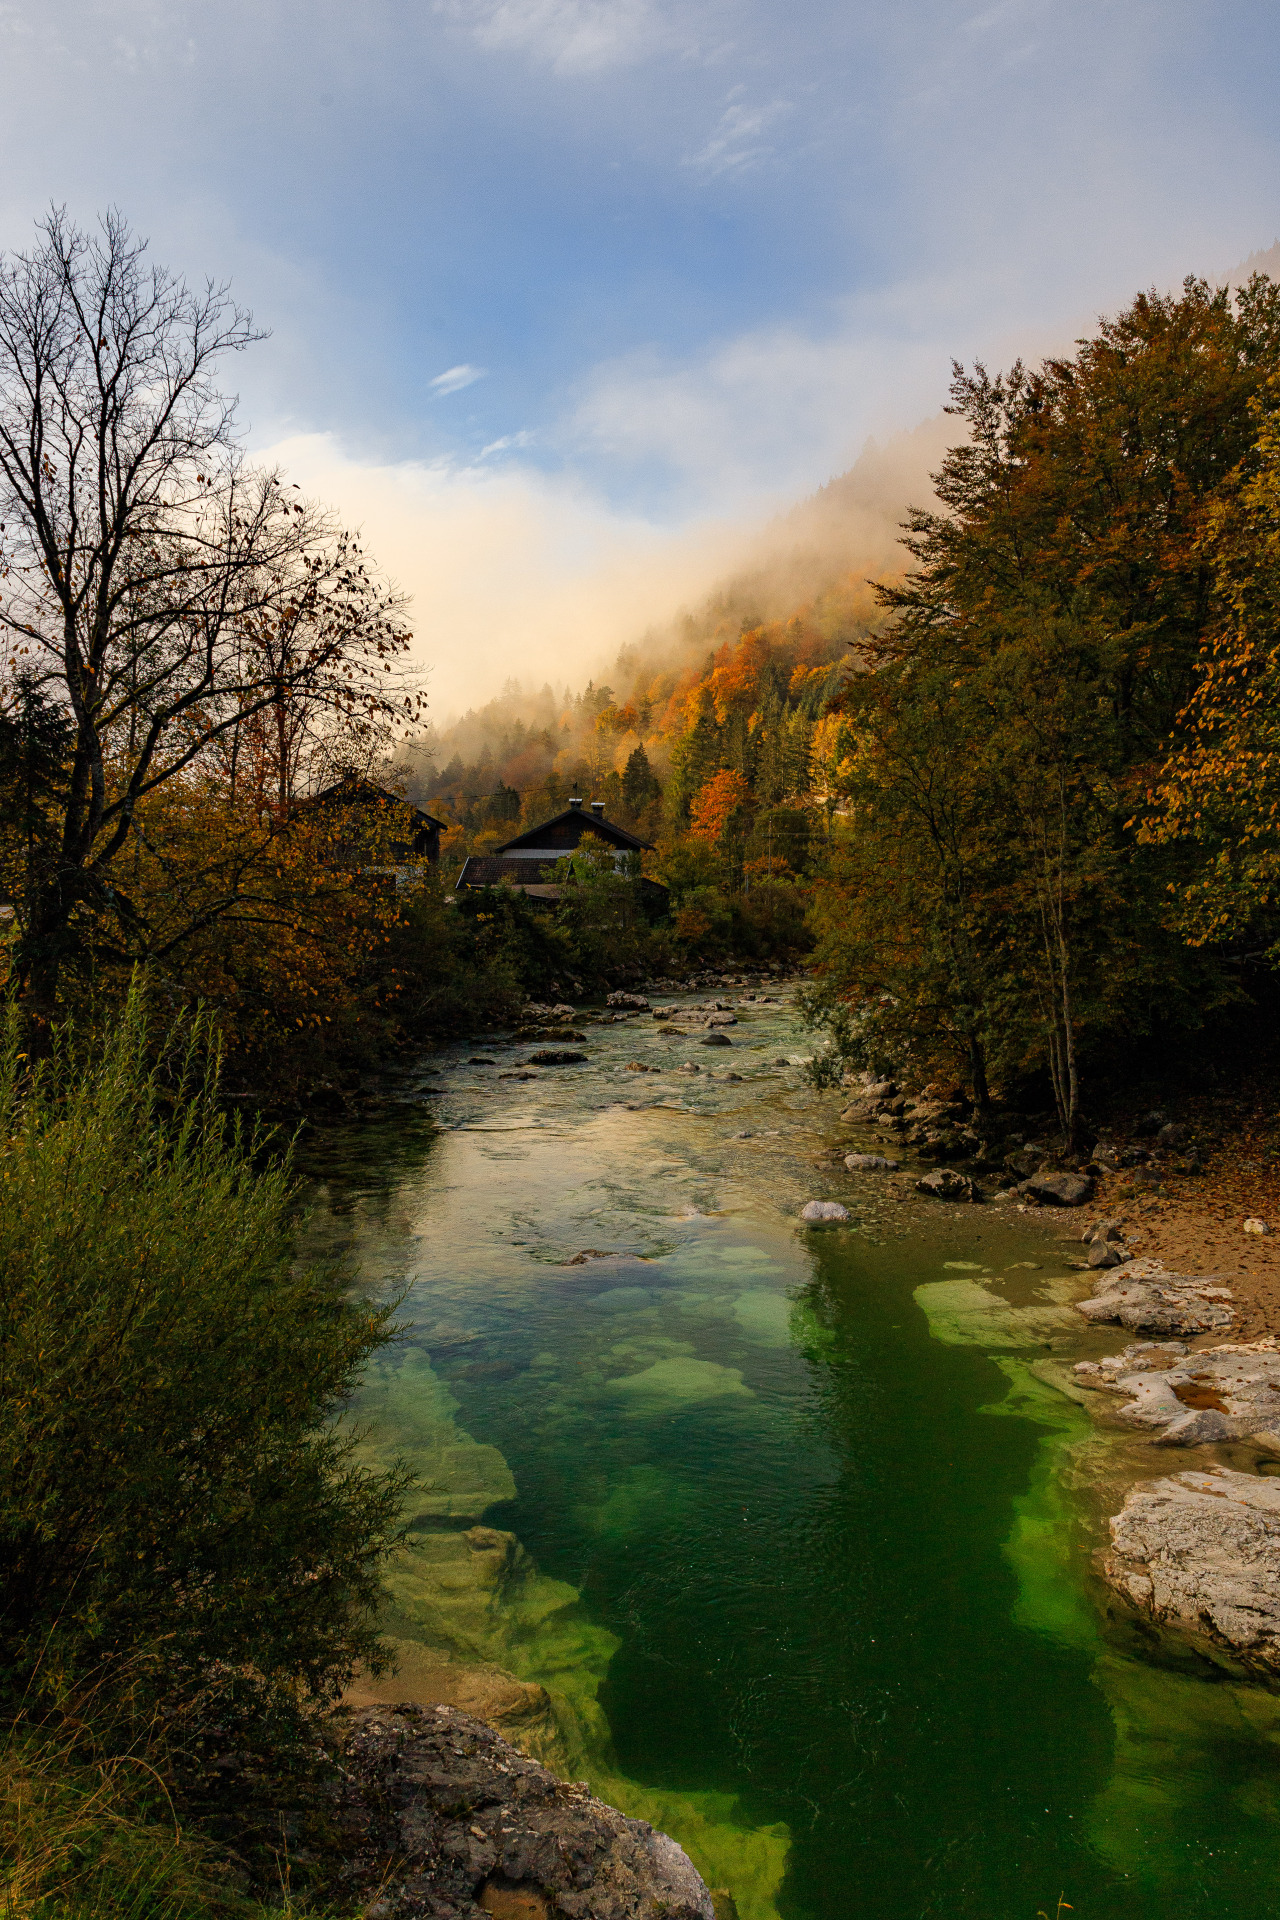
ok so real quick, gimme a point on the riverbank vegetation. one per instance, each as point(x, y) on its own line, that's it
point(190, 1551)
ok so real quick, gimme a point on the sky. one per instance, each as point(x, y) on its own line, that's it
point(566, 296)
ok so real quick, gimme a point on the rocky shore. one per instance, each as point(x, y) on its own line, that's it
point(442, 1819)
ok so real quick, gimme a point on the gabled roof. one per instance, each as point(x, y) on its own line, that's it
point(354, 789)
point(587, 820)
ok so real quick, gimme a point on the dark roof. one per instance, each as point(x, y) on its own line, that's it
point(490, 870)
point(558, 832)
point(354, 789)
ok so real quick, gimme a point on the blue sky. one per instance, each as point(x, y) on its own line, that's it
point(564, 292)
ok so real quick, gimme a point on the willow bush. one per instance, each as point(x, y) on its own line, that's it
point(180, 1516)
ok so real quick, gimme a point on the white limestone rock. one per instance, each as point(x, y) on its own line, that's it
point(1141, 1295)
point(1200, 1553)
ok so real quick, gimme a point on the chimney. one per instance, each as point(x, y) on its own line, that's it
point(575, 800)
point(597, 807)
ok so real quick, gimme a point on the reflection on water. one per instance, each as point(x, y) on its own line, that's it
point(780, 1537)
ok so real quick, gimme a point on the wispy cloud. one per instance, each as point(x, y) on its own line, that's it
point(454, 379)
point(571, 36)
point(507, 443)
point(738, 140)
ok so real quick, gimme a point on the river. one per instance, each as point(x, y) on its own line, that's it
point(794, 1525)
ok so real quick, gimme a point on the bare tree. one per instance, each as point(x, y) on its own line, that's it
point(168, 597)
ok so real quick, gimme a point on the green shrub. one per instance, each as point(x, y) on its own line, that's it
point(181, 1520)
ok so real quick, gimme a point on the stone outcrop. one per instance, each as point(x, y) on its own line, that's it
point(442, 1820)
point(1200, 1552)
point(1189, 1399)
point(1141, 1296)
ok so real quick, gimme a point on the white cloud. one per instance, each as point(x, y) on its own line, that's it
point(510, 573)
point(509, 440)
point(454, 379)
point(737, 141)
point(571, 36)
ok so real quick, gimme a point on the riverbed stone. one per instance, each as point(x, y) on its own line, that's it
point(555, 1057)
point(815, 1211)
point(1139, 1294)
point(716, 1039)
point(1164, 1385)
point(1058, 1189)
point(1200, 1553)
point(947, 1184)
point(870, 1163)
point(1105, 1253)
point(443, 1819)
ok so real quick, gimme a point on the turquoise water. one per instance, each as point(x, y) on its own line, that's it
point(793, 1525)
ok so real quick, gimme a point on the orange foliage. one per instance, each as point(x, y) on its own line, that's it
point(724, 796)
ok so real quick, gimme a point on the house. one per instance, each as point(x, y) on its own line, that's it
point(416, 833)
point(527, 863)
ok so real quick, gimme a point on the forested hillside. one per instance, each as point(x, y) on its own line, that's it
point(1026, 788)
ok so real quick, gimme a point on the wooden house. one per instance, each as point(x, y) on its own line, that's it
point(414, 841)
point(527, 863)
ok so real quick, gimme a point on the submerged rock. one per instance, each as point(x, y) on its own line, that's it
point(1200, 1552)
point(816, 1210)
point(1140, 1295)
point(870, 1163)
point(445, 1821)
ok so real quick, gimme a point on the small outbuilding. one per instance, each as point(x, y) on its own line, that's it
point(415, 837)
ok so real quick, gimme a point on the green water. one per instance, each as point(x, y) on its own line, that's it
point(793, 1525)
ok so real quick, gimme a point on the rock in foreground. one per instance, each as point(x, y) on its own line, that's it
point(1200, 1552)
point(445, 1821)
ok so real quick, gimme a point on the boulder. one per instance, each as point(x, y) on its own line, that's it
point(1105, 1253)
point(947, 1184)
point(633, 1002)
point(1058, 1189)
point(441, 1818)
point(1200, 1553)
point(1139, 1295)
point(870, 1163)
point(1197, 1428)
point(555, 1057)
point(816, 1210)
point(1173, 1134)
point(1165, 1385)
point(1102, 1230)
point(716, 1040)
point(1256, 1226)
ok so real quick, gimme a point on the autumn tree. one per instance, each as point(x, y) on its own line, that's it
point(168, 600)
point(995, 893)
point(1219, 793)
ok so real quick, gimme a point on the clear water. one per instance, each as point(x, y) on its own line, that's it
point(794, 1525)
